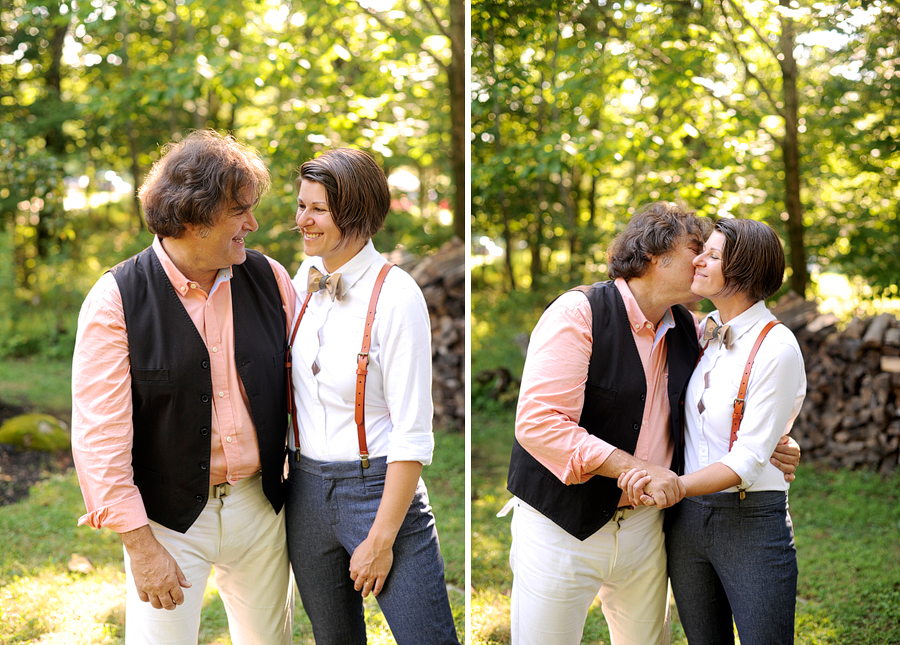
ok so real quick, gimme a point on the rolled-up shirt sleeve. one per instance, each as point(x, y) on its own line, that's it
point(102, 430)
point(405, 338)
point(774, 397)
point(551, 396)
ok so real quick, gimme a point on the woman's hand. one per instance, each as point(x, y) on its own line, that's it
point(370, 565)
point(633, 482)
point(371, 561)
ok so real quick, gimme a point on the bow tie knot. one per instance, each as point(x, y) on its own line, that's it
point(715, 331)
point(333, 283)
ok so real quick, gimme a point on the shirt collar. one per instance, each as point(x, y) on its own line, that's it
point(182, 284)
point(743, 323)
point(354, 268)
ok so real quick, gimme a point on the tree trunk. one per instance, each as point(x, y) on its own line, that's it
point(790, 147)
point(501, 196)
point(457, 72)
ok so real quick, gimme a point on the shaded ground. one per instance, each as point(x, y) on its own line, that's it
point(20, 469)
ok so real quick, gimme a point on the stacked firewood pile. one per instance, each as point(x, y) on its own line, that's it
point(851, 416)
point(442, 279)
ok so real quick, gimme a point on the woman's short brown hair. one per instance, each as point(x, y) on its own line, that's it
point(195, 178)
point(655, 230)
point(359, 197)
point(753, 258)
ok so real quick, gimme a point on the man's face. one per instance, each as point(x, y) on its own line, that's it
point(676, 270)
point(222, 245)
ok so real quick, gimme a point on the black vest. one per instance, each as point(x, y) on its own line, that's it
point(171, 384)
point(614, 398)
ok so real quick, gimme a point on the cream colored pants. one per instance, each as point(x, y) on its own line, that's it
point(242, 537)
point(556, 578)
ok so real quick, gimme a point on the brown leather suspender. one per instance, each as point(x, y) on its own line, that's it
point(361, 370)
point(362, 363)
point(742, 391)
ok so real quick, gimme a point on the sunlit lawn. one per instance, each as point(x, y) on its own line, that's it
point(846, 527)
point(41, 601)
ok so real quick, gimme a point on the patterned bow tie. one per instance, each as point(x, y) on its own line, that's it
point(333, 283)
point(714, 331)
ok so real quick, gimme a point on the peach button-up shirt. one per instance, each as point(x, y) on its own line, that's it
point(552, 393)
point(102, 430)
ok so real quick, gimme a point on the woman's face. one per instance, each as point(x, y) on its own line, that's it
point(708, 277)
point(321, 236)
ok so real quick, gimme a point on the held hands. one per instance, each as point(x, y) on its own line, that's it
point(370, 566)
point(157, 576)
point(653, 486)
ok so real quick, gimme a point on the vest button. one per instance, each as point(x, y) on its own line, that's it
point(636, 426)
point(204, 398)
point(202, 466)
point(199, 498)
point(204, 364)
point(643, 397)
point(204, 431)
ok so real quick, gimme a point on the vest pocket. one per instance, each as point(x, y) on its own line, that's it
point(592, 391)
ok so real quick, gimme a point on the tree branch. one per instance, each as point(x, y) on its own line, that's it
point(746, 20)
point(732, 40)
point(381, 21)
point(437, 20)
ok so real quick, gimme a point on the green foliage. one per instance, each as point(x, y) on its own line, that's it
point(90, 93)
point(582, 112)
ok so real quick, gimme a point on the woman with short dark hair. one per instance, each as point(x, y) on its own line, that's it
point(358, 516)
point(730, 541)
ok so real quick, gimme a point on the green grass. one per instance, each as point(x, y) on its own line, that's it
point(44, 384)
point(42, 601)
point(846, 527)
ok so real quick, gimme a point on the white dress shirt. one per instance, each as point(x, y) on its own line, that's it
point(774, 395)
point(398, 409)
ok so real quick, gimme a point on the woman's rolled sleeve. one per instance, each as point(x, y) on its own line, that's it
point(771, 405)
point(405, 338)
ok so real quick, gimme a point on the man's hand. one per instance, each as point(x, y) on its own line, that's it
point(370, 566)
point(786, 457)
point(157, 576)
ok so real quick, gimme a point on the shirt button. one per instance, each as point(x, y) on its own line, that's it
point(228, 439)
point(183, 288)
point(221, 394)
point(215, 349)
point(193, 286)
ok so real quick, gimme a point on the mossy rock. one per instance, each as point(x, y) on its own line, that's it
point(36, 432)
